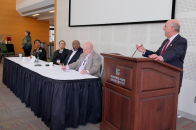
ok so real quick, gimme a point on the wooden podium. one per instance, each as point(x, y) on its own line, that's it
point(139, 94)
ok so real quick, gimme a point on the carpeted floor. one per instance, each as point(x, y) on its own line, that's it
point(15, 116)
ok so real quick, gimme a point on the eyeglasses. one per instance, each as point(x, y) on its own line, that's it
point(75, 43)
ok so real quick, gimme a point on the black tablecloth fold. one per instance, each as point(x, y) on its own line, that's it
point(60, 103)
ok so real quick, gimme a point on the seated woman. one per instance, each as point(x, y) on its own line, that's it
point(39, 50)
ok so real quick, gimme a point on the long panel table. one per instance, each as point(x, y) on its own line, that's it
point(61, 98)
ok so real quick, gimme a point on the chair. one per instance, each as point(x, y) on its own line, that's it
point(102, 77)
point(10, 49)
point(100, 68)
point(51, 58)
point(3, 51)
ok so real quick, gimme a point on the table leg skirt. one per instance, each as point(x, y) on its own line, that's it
point(60, 103)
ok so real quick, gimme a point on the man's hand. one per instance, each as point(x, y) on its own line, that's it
point(21, 46)
point(140, 48)
point(160, 58)
point(83, 72)
point(156, 57)
point(153, 56)
point(59, 63)
point(63, 67)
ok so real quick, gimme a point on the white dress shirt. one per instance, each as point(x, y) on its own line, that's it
point(72, 54)
point(170, 40)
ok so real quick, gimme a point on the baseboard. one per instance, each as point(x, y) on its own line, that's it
point(187, 115)
point(19, 52)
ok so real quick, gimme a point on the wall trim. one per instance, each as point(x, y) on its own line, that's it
point(186, 115)
point(55, 15)
point(38, 9)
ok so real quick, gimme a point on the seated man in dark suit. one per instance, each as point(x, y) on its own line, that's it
point(60, 54)
point(89, 61)
point(172, 50)
point(74, 54)
point(39, 51)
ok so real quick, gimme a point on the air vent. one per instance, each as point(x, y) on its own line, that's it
point(38, 9)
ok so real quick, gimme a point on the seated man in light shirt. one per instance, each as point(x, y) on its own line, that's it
point(88, 63)
point(74, 54)
point(60, 54)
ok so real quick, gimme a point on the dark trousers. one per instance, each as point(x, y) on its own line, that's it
point(27, 52)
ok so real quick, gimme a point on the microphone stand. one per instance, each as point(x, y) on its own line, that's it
point(136, 50)
point(37, 59)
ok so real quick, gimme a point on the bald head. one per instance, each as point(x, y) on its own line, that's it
point(87, 48)
point(76, 41)
point(171, 28)
point(76, 45)
point(175, 23)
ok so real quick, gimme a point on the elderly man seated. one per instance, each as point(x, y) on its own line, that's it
point(74, 54)
point(89, 61)
point(60, 54)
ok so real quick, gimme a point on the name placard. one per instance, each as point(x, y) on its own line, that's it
point(120, 75)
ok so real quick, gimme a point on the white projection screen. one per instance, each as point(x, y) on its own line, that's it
point(111, 12)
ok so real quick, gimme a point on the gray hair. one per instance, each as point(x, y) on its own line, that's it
point(176, 26)
point(62, 41)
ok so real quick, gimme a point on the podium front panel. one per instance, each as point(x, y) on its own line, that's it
point(139, 94)
point(120, 75)
point(117, 109)
point(157, 113)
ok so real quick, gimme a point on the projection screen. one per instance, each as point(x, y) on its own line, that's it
point(110, 12)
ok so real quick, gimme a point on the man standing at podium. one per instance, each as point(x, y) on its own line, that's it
point(172, 50)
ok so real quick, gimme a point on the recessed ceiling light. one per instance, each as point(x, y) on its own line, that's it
point(51, 11)
point(35, 14)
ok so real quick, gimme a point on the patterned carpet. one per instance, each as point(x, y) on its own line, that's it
point(15, 116)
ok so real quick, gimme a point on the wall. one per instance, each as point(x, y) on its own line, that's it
point(20, 1)
point(11, 23)
point(122, 39)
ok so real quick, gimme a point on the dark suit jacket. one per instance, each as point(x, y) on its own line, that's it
point(74, 58)
point(63, 55)
point(174, 53)
point(42, 53)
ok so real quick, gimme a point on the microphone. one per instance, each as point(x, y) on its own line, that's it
point(136, 50)
point(37, 59)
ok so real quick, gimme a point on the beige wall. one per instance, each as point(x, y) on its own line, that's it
point(19, 1)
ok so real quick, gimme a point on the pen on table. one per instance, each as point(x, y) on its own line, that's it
point(63, 66)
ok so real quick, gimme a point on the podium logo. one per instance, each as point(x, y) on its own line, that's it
point(117, 71)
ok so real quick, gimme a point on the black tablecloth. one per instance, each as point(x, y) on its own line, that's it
point(60, 103)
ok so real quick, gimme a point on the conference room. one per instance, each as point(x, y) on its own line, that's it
point(145, 76)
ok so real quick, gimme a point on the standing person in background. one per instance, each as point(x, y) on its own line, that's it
point(39, 51)
point(27, 44)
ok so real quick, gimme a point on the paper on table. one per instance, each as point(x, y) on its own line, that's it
point(33, 59)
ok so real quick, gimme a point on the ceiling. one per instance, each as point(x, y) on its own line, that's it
point(27, 8)
point(45, 16)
